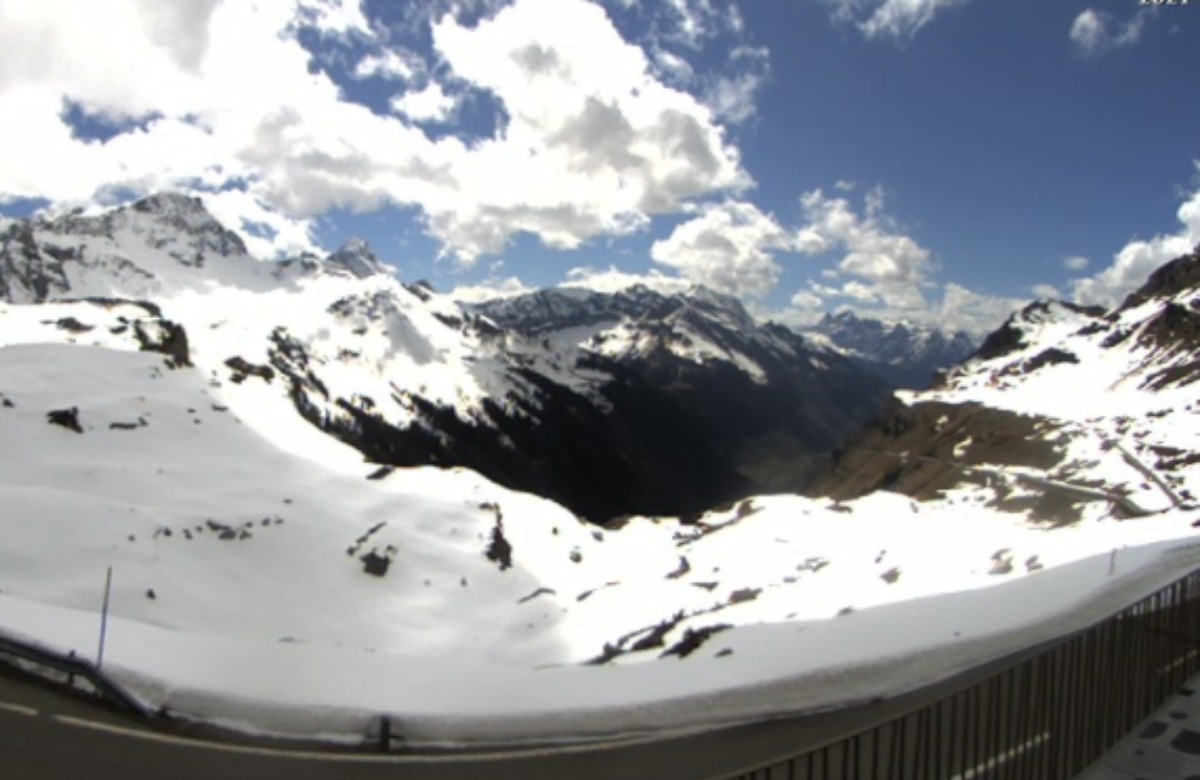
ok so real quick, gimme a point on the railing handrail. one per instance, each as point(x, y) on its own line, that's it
point(105, 686)
point(912, 703)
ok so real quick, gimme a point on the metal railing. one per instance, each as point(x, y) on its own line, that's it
point(76, 673)
point(1047, 717)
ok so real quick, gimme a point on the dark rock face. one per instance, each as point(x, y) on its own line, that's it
point(243, 368)
point(1182, 273)
point(663, 434)
point(66, 418)
point(375, 564)
point(357, 259)
point(1050, 357)
point(166, 337)
point(26, 271)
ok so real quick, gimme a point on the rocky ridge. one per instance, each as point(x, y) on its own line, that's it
point(612, 404)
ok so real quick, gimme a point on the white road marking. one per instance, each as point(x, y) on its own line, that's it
point(17, 708)
point(353, 758)
point(983, 769)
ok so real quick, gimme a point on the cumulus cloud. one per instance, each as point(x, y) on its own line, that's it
point(509, 287)
point(266, 231)
point(698, 20)
point(387, 64)
point(590, 143)
point(732, 94)
point(880, 264)
point(594, 145)
point(898, 20)
point(1075, 263)
point(728, 248)
point(1096, 32)
point(330, 17)
point(882, 272)
point(180, 29)
point(1045, 292)
point(976, 313)
point(430, 104)
point(613, 279)
point(1139, 258)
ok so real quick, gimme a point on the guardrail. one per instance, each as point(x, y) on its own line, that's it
point(71, 670)
point(1047, 717)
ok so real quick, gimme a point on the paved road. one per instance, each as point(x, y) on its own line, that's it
point(46, 734)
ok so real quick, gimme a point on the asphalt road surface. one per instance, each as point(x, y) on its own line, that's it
point(47, 734)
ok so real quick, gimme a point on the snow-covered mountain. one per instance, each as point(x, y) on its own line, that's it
point(358, 259)
point(612, 404)
point(1098, 404)
point(904, 353)
point(156, 391)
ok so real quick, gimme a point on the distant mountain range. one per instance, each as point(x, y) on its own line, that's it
point(609, 403)
point(904, 354)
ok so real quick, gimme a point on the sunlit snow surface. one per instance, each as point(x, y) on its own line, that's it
point(237, 533)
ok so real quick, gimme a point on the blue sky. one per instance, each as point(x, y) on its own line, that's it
point(940, 160)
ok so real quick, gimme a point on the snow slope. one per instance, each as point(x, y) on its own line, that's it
point(234, 556)
point(268, 578)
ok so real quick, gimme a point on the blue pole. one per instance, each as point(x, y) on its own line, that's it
point(104, 618)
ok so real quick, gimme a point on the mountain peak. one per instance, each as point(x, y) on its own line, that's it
point(185, 212)
point(905, 353)
point(358, 259)
point(1168, 280)
point(169, 203)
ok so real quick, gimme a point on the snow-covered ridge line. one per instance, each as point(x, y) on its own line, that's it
point(906, 353)
point(595, 389)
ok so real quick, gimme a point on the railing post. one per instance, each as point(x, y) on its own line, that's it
point(385, 733)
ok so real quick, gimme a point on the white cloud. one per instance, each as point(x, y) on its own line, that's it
point(331, 17)
point(430, 104)
point(1095, 32)
point(593, 143)
point(899, 20)
point(976, 313)
point(1138, 259)
point(728, 248)
point(180, 29)
point(732, 94)
point(267, 232)
point(613, 279)
point(879, 262)
point(882, 272)
point(672, 66)
point(1045, 292)
point(807, 300)
point(386, 64)
point(696, 20)
point(1075, 263)
point(509, 287)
